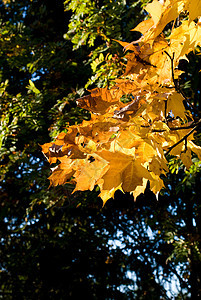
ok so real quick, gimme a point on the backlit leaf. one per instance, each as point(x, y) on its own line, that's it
point(141, 118)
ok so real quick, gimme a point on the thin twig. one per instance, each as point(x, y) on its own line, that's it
point(192, 125)
point(184, 138)
point(176, 84)
point(166, 111)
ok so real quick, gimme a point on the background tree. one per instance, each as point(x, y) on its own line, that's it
point(55, 245)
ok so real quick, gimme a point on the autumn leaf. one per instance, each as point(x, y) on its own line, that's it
point(194, 8)
point(156, 184)
point(196, 149)
point(144, 26)
point(176, 106)
point(124, 171)
point(99, 100)
point(186, 158)
point(63, 172)
point(184, 39)
point(89, 172)
point(162, 14)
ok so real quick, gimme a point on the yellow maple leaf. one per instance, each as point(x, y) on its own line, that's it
point(162, 14)
point(175, 104)
point(128, 139)
point(186, 158)
point(144, 26)
point(63, 172)
point(124, 170)
point(107, 194)
point(145, 151)
point(184, 39)
point(89, 172)
point(155, 9)
point(98, 101)
point(158, 166)
point(140, 188)
point(194, 8)
point(156, 183)
point(195, 148)
point(133, 176)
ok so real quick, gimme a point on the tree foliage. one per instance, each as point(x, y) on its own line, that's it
point(125, 144)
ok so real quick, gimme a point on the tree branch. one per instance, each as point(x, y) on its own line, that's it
point(176, 84)
point(184, 138)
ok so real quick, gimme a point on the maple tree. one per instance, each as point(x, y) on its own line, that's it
point(66, 238)
point(124, 145)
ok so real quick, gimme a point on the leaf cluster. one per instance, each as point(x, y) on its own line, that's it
point(124, 146)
